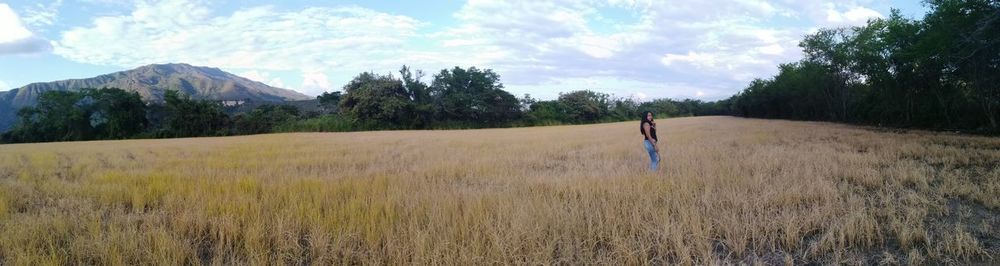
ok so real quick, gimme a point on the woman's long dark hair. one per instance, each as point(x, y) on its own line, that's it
point(644, 119)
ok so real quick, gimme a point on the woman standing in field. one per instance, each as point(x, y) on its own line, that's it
point(648, 129)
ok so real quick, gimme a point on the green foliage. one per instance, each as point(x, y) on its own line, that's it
point(379, 101)
point(117, 113)
point(624, 109)
point(86, 114)
point(940, 72)
point(419, 94)
point(801, 90)
point(472, 95)
point(329, 100)
point(967, 33)
point(661, 108)
point(459, 98)
point(264, 118)
point(191, 118)
point(325, 123)
point(56, 117)
point(585, 106)
point(547, 113)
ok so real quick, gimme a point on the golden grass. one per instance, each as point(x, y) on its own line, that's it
point(732, 191)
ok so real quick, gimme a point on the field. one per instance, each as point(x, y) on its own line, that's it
point(732, 191)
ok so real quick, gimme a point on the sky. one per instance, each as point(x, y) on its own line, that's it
point(708, 49)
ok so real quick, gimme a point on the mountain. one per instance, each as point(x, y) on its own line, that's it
point(150, 82)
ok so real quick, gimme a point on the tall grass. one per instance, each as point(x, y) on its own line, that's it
point(731, 191)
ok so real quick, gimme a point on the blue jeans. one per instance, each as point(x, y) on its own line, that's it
point(655, 158)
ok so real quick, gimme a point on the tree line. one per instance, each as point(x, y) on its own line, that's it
point(112, 113)
point(456, 98)
point(939, 72)
point(474, 98)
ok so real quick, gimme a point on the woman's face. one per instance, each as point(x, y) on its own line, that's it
point(649, 116)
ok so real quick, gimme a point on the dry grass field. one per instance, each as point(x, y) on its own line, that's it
point(734, 190)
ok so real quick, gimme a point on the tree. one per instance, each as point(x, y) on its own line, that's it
point(87, 114)
point(939, 72)
point(473, 96)
point(190, 118)
point(378, 101)
point(329, 100)
point(547, 112)
point(660, 107)
point(118, 113)
point(264, 118)
point(829, 48)
point(624, 109)
point(585, 106)
point(419, 92)
point(55, 117)
point(973, 53)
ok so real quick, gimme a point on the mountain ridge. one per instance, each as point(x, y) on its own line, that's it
point(151, 81)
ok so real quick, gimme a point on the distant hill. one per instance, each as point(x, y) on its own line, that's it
point(150, 82)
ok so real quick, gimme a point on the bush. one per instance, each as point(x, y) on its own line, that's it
point(325, 123)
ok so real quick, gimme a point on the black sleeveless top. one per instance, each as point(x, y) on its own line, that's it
point(652, 131)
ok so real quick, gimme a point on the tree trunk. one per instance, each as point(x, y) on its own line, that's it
point(844, 95)
point(944, 105)
point(990, 114)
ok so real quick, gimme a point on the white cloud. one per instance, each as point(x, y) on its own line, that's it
point(42, 14)
point(11, 26)
point(315, 83)
point(618, 87)
point(17, 39)
point(4, 86)
point(762, 8)
point(254, 75)
point(823, 13)
point(706, 49)
point(700, 60)
point(855, 16)
point(661, 43)
point(263, 77)
point(713, 46)
point(773, 49)
point(540, 27)
point(640, 96)
point(253, 38)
